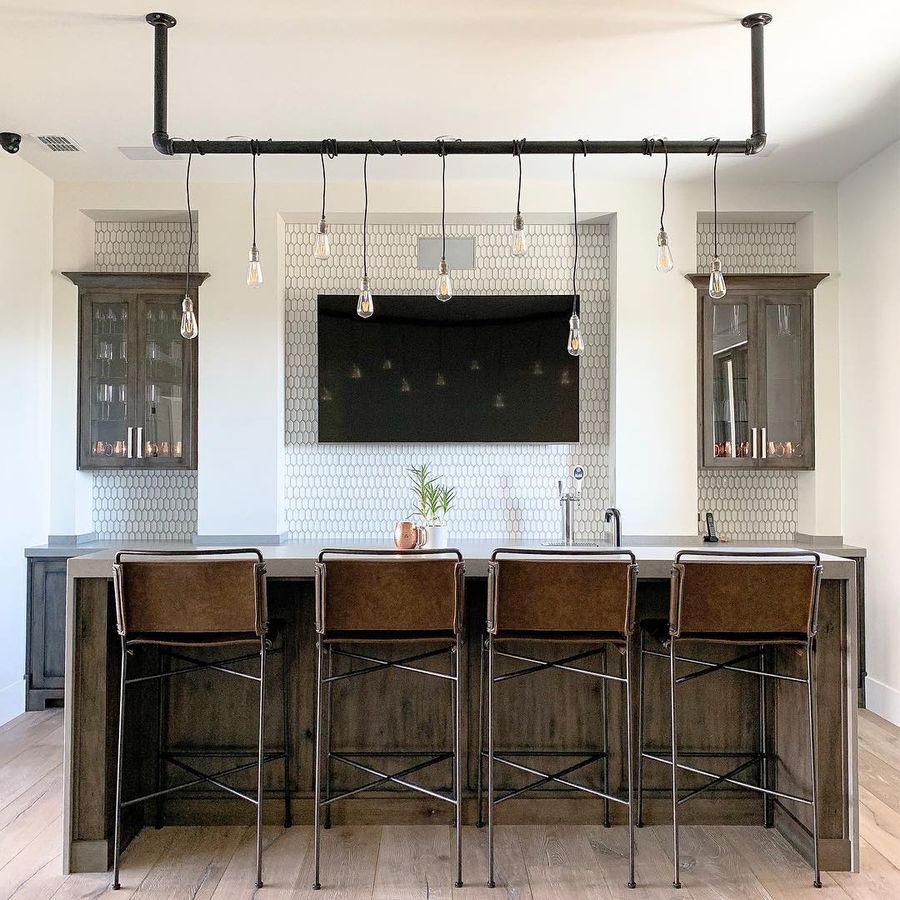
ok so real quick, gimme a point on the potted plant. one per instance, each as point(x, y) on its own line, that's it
point(434, 502)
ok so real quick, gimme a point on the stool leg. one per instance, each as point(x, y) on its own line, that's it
point(676, 880)
point(479, 823)
point(490, 757)
point(764, 738)
point(162, 726)
point(813, 752)
point(259, 759)
point(457, 756)
point(328, 718)
point(629, 738)
point(286, 730)
point(317, 769)
point(640, 732)
point(117, 837)
point(605, 709)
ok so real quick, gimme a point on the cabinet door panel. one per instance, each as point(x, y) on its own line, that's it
point(786, 391)
point(47, 624)
point(107, 381)
point(729, 382)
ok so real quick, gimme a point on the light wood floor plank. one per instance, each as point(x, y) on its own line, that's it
point(349, 859)
point(510, 873)
point(877, 876)
point(415, 862)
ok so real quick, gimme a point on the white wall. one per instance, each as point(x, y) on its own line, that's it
point(25, 234)
point(868, 201)
point(240, 490)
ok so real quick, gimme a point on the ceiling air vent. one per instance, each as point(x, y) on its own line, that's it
point(57, 143)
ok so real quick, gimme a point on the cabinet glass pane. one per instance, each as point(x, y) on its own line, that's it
point(730, 368)
point(164, 368)
point(108, 379)
point(784, 390)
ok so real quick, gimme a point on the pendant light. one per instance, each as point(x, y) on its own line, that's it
point(443, 286)
point(188, 318)
point(365, 306)
point(254, 268)
point(717, 287)
point(322, 245)
point(665, 262)
point(520, 239)
point(575, 343)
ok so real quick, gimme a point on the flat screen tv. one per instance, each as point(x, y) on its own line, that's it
point(478, 369)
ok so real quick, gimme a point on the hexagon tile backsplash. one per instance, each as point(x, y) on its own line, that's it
point(508, 491)
point(750, 505)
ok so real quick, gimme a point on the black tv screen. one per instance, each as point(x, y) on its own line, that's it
point(482, 369)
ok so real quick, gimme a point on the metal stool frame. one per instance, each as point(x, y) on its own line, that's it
point(260, 757)
point(761, 757)
point(325, 678)
point(486, 697)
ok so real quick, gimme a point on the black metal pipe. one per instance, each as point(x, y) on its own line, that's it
point(757, 23)
point(162, 22)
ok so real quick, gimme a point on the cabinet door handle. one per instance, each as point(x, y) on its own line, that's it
point(754, 432)
point(140, 442)
point(130, 442)
point(764, 450)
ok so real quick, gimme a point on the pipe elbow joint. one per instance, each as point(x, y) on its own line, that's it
point(162, 143)
point(756, 143)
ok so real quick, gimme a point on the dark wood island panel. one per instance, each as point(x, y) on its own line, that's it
point(206, 710)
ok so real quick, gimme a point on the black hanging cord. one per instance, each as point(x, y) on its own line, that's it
point(443, 200)
point(576, 306)
point(324, 182)
point(517, 150)
point(662, 211)
point(253, 155)
point(365, 214)
point(714, 151)
point(190, 246)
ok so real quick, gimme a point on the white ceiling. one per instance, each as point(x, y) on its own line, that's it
point(617, 69)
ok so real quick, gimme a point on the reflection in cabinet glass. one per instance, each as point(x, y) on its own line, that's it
point(755, 372)
point(137, 375)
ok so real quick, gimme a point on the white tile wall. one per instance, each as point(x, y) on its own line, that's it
point(750, 505)
point(359, 491)
point(144, 505)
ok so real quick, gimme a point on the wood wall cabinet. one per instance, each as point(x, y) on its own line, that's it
point(137, 377)
point(755, 376)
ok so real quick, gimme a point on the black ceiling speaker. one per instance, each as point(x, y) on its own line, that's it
point(10, 141)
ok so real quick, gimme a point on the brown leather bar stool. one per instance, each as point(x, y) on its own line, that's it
point(758, 600)
point(387, 597)
point(577, 596)
point(177, 600)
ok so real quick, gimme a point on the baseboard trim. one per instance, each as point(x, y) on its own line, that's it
point(883, 700)
point(12, 700)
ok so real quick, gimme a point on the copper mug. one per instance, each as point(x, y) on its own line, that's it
point(408, 536)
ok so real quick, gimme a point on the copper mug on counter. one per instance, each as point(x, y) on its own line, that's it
point(408, 535)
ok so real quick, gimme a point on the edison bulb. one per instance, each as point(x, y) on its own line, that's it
point(665, 262)
point(717, 287)
point(575, 345)
point(520, 238)
point(365, 306)
point(322, 246)
point(254, 269)
point(188, 319)
point(443, 287)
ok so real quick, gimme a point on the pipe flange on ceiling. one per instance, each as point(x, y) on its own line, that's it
point(158, 18)
point(754, 19)
point(10, 141)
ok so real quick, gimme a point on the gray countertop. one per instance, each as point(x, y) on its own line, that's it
point(296, 559)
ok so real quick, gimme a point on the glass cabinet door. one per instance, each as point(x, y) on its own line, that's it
point(107, 381)
point(786, 389)
point(729, 385)
point(165, 416)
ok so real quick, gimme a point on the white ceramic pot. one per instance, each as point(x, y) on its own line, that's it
point(436, 537)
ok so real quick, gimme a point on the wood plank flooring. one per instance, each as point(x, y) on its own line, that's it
point(416, 863)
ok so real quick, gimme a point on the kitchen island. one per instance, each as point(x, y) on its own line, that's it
point(203, 711)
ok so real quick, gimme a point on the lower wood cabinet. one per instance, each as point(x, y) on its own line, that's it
point(45, 648)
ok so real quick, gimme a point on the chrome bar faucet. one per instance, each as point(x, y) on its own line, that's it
point(569, 495)
point(613, 514)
